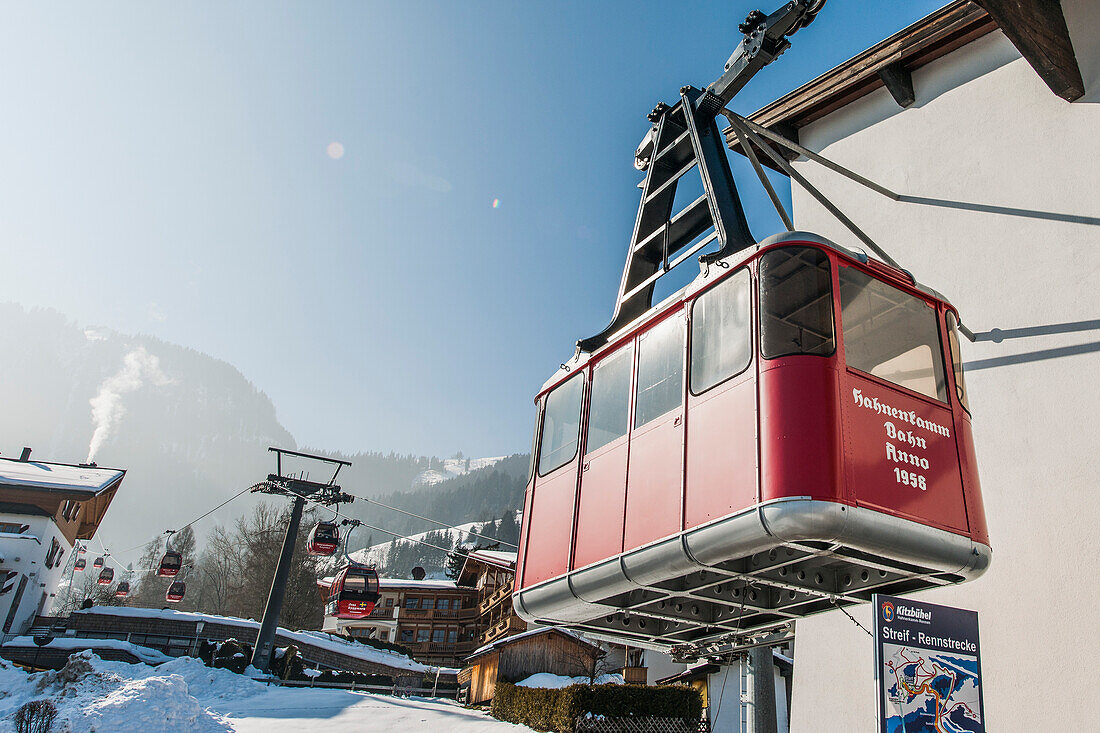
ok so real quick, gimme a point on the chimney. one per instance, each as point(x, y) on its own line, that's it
point(25, 455)
point(418, 573)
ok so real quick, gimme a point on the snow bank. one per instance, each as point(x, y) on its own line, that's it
point(185, 696)
point(549, 681)
point(145, 654)
point(95, 696)
point(315, 638)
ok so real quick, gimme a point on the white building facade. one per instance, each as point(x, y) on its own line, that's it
point(1007, 226)
point(45, 508)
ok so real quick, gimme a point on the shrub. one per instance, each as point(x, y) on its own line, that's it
point(232, 655)
point(384, 645)
point(35, 716)
point(556, 710)
point(287, 664)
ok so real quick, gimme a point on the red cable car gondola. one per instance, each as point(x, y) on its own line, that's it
point(106, 576)
point(80, 564)
point(353, 593)
point(97, 563)
point(122, 589)
point(175, 591)
point(324, 539)
point(788, 433)
point(170, 564)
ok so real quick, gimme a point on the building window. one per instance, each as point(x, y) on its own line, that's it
point(427, 604)
point(452, 636)
point(411, 602)
point(438, 635)
point(423, 634)
point(443, 604)
point(385, 636)
point(52, 557)
point(406, 635)
point(389, 603)
point(10, 528)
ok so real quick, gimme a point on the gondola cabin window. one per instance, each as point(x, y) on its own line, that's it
point(609, 415)
point(561, 425)
point(660, 370)
point(721, 332)
point(956, 362)
point(796, 303)
point(890, 334)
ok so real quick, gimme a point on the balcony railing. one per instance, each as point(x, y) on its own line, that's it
point(504, 627)
point(457, 614)
point(496, 597)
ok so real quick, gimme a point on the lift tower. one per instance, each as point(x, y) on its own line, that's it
point(300, 488)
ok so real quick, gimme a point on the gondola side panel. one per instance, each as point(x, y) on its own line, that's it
point(800, 446)
point(550, 525)
point(602, 504)
point(721, 469)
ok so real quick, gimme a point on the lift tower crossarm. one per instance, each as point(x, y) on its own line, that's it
point(765, 40)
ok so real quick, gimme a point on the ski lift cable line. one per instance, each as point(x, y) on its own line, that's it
point(193, 521)
point(338, 513)
point(433, 521)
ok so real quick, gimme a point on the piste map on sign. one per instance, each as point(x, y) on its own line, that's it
point(930, 692)
point(929, 667)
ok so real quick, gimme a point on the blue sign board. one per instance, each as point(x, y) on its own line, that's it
point(928, 666)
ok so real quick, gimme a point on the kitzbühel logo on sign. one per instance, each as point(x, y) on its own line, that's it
point(887, 612)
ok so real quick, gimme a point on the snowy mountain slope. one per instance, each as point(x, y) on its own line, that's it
point(184, 695)
point(453, 467)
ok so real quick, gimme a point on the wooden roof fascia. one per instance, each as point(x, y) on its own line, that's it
point(930, 38)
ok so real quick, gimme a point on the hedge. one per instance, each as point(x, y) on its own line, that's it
point(556, 710)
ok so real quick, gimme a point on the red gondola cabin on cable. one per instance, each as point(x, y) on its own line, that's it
point(176, 591)
point(787, 433)
point(122, 589)
point(97, 563)
point(170, 564)
point(323, 540)
point(106, 576)
point(80, 564)
point(353, 593)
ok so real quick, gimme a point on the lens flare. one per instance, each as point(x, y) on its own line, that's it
point(496, 203)
point(335, 150)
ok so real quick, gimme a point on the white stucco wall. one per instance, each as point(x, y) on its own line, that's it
point(986, 130)
point(26, 554)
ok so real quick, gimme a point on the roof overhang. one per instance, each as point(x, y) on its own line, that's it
point(1036, 27)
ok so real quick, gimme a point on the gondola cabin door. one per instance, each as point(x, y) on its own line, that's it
point(602, 503)
point(655, 467)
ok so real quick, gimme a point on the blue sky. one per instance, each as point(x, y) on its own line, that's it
point(166, 170)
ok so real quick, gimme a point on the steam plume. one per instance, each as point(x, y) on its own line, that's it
point(138, 366)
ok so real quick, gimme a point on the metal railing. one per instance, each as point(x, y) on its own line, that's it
point(449, 693)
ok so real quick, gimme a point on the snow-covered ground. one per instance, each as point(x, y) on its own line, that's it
point(549, 681)
point(453, 467)
point(185, 696)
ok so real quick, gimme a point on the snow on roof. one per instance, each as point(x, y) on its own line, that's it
point(145, 654)
point(57, 476)
point(315, 638)
point(394, 583)
point(507, 560)
point(526, 634)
